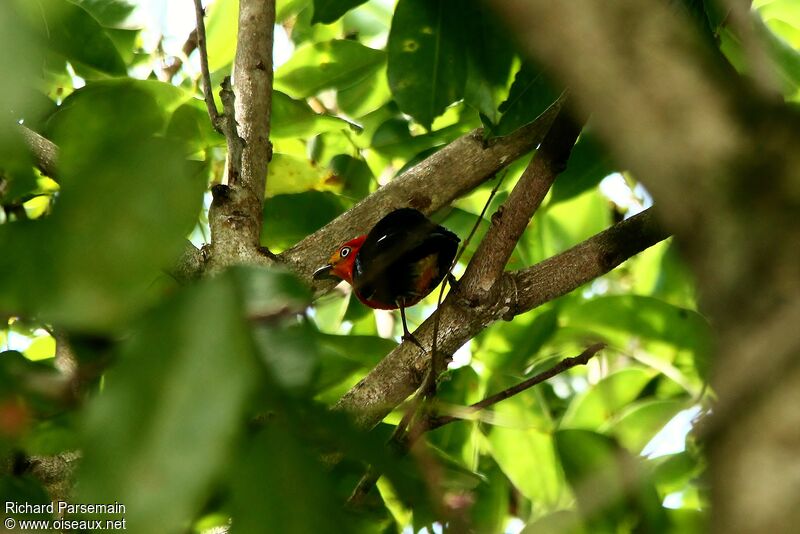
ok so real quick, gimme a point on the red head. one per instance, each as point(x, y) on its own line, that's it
point(340, 264)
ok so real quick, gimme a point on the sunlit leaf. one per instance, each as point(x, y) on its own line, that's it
point(334, 64)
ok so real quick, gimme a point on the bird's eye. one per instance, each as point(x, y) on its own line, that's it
point(344, 252)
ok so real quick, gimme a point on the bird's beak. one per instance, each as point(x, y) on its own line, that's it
point(325, 273)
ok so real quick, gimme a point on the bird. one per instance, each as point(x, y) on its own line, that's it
point(396, 264)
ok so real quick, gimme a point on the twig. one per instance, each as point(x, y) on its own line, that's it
point(401, 442)
point(398, 374)
point(227, 125)
point(188, 47)
point(206, 75)
point(567, 363)
point(44, 151)
point(511, 219)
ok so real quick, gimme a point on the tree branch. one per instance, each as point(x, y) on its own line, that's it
point(430, 185)
point(510, 221)
point(44, 151)
point(205, 74)
point(236, 213)
point(400, 372)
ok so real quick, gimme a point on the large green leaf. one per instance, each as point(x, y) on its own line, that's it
point(522, 445)
point(641, 421)
point(612, 491)
point(282, 227)
point(170, 413)
point(598, 404)
point(295, 118)
point(281, 487)
point(621, 318)
point(427, 62)
point(109, 13)
point(327, 11)
point(72, 32)
point(335, 64)
point(127, 200)
point(221, 31)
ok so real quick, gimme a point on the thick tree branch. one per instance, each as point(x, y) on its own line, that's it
point(236, 212)
point(721, 157)
point(510, 221)
point(400, 373)
point(430, 185)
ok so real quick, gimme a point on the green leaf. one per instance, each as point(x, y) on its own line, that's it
point(182, 383)
point(612, 493)
point(282, 227)
point(109, 13)
point(290, 174)
point(490, 54)
point(222, 23)
point(530, 95)
point(522, 445)
point(341, 356)
point(190, 124)
point(327, 11)
point(355, 174)
point(427, 64)
point(23, 489)
point(588, 164)
point(641, 421)
point(295, 118)
point(280, 487)
point(72, 32)
point(335, 64)
point(127, 200)
point(620, 318)
point(365, 96)
point(598, 404)
point(561, 522)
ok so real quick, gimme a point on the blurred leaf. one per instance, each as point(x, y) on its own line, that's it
point(109, 13)
point(588, 164)
point(288, 8)
point(295, 118)
point(641, 421)
point(491, 500)
point(17, 179)
point(281, 487)
point(87, 265)
point(427, 64)
point(72, 32)
point(673, 472)
point(327, 11)
point(561, 522)
point(289, 353)
point(333, 64)
point(190, 124)
point(182, 381)
point(18, 90)
point(282, 227)
point(23, 489)
point(222, 23)
point(595, 406)
point(530, 95)
point(609, 484)
point(290, 174)
point(341, 356)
